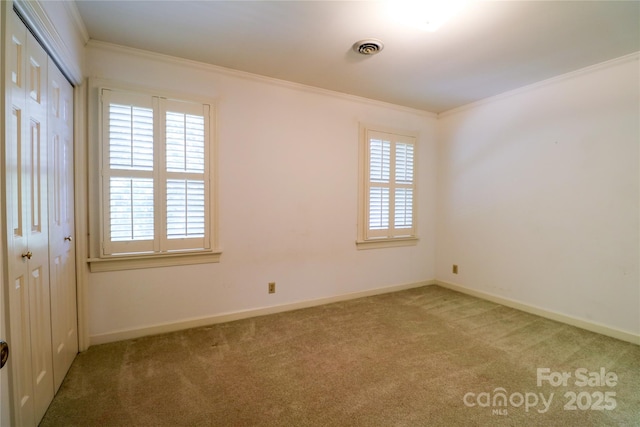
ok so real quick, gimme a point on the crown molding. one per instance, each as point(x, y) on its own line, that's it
point(72, 10)
point(99, 45)
point(635, 56)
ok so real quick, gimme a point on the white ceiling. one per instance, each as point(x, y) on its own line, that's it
point(489, 48)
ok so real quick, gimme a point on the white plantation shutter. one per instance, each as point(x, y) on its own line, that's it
point(185, 142)
point(155, 174)
point(379, 174)
point(390, 185)
point(131, 209)
point(130, 137)
point(404, 163)
point(128, 173)
point(380, 160)
point(378, 208)
point(187, 207)
point(404, 186)
point(404, 208)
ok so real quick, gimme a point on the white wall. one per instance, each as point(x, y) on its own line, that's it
point(288, 161)
point(538, 199)
point(539, 196)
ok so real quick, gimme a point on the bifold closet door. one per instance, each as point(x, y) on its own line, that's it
point(26, 164)
point(62, 268)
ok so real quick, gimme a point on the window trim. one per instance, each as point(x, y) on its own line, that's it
point(132, 262)
point(364, 241)
point(98, 260)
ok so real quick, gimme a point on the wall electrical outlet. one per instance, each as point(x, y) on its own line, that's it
point(272, 287)
point(455, 269)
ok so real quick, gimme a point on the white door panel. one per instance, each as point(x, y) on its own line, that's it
point(21, 351)
point(27, 227)
point(38, 232)
point(17, 207)
point(61, 225)
point(38, 200)
point(5, 407)
point(4, 370)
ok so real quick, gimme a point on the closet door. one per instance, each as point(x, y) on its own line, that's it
point(62, 275)
point(27, 226)
point(5, 399)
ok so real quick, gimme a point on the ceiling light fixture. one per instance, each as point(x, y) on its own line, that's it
point(368, 46)
point(427, 15)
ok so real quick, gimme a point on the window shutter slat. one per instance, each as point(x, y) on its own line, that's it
point(403, 208)
point(185, 209)
point(131, 209)
point(185, 142)
point(404, 163)
point(130, 137)
point(378, 208)
point(380, 160)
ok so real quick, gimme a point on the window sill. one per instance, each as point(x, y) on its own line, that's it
point(127, 262)
point(387, 243)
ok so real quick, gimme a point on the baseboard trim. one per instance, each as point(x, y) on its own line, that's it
point(569, 320)
point(244, 314)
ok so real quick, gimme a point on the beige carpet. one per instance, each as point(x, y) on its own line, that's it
point(425, 356)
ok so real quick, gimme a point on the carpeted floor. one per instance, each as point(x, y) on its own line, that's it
point(422, 357)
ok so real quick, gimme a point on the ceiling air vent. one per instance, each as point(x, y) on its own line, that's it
point(368, 46)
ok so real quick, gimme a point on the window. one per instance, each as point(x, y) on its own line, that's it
point(156, 186)
point(387, 207)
